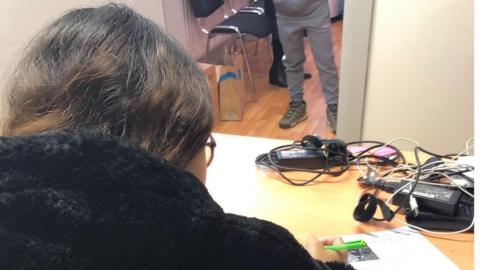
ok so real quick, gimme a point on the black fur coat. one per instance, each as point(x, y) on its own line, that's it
point(71, 200)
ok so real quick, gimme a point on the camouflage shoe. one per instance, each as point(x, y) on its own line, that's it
point(332, 110)
point(297, 111)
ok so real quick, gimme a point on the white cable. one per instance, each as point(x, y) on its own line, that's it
point(359, 168)
point(371, 167)
point(467, 145)
point(423, 183)
point(383, 146)
point(401, 139)
point(458, 186)
point(452, 166)
point(410, 167)
point(398, 191)
point(463, 152)
point(442, 165)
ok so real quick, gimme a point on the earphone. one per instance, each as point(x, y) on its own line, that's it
point(312, 141)
point(334, 146)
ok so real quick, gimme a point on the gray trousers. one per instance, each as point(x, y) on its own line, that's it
point(317, 26)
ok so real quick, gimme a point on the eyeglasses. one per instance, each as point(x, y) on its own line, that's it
point(210, 149)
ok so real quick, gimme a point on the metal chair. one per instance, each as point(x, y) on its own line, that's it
point(256, 5)
point(241, 23)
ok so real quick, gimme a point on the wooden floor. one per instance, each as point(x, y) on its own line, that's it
point(261, 118)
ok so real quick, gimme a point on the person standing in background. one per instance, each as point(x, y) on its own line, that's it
point(294, 18)
point(277, 75)
point(277, 70)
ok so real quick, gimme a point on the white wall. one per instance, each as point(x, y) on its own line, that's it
point(21, 19)
point(357, 21)
point(419, 80)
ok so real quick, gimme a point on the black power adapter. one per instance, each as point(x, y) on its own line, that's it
point(437, 199)
point(439, 208)
point(310, 155)
point(307, 159)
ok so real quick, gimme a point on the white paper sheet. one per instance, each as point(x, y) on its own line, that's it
point(401, 248)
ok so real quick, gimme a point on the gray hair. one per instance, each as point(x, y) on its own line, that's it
point(110, 70)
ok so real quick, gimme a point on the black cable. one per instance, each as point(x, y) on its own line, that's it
point(368, 204)
point(449, 156)
point(363, 211)
point(328, 148)
point(378, 145)
point(384, 160)
point(268, 160)
point(289, 147)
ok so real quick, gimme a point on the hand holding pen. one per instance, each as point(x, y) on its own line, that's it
point(316, 248)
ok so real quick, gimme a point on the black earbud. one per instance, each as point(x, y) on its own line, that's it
point(336, 146)
point(312, 141)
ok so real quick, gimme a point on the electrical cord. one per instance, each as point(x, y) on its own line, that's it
point(378, 144)
point(368, 203)
point(383, 172)
point(427, 173)
point(468, 147)
point(335, 149)
point(268, 160)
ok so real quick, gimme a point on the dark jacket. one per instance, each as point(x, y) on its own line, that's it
point(75, 201)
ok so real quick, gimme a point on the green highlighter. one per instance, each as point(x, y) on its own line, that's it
point(347, 245)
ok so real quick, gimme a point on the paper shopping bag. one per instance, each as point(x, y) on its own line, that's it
point(231, 99)
point(231, 87)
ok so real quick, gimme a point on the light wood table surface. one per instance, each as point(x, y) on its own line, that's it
point(322, 209)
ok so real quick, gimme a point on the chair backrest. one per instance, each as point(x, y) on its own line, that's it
point(203, 8)
point(258, 3)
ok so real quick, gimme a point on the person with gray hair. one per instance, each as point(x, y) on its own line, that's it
point(105, 142)
point(294, 19)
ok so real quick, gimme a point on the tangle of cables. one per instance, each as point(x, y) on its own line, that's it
point(383, 167)
point(332, 158)
point(446, 184)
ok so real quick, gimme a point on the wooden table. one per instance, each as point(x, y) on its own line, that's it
point(322, 209)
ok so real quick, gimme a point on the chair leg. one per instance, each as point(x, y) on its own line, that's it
point(252, 85)
point(256, 47)
point(269, 41)
point(242, 38)
point(207, 48)
point(234, 45)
